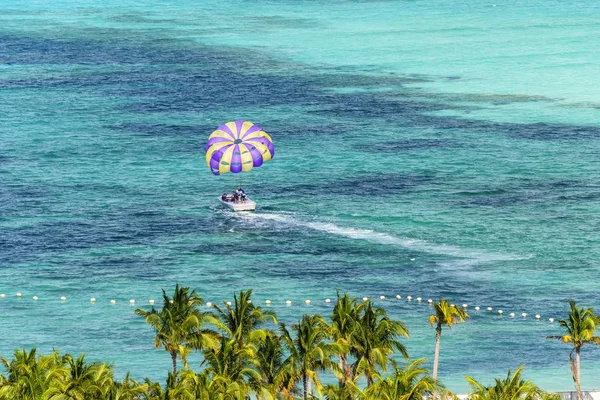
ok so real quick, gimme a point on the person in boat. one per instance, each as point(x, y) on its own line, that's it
point(224, 197)
point(235, 196)
point(242, 194)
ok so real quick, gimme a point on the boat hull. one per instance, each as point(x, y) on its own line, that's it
point(247, 205)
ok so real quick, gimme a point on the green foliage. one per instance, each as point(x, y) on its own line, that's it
point(410, 383)
point(243, 359)
point(310, 352)
point(579, 328)
point(513, 387)
point(445, 314)
point(374, 340)
point(180, 325)
point(56, 377)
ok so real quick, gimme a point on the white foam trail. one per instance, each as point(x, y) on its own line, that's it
point(384, 238)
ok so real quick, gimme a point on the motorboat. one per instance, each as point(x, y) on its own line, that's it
point(241, 205)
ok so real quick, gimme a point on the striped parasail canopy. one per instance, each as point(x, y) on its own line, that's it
point(238, 146)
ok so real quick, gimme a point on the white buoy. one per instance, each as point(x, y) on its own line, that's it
point(477, 308)
point(419, 299)
point(512, 314)
point(452, 305)
point(381, 297)
point(537, 316)
point(365, 299)
point(524, 315)
point(268, 302)
point(327, 300)
point(249, 301)
point(35, 297)
point(228, 303)
point(307, 301)
point(551, 320)
point(171, 301)
point(465, 306)
point(288, 302)
point(93, 300)
point(209, 304)
point(500, 312)
point(398, 297)
point(19, 294)
point(113, 302)
point(489, 308)
point(132, 302)
point(409, 298)
point(2, 295)
point(63, 298)
point(151, 302)
point(429, 301)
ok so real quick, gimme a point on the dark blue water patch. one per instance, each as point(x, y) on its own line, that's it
point(180, 79)
point(410, 111)
point(360, 106)
point(405, 145)
point(544, 131)
point(163, 130)
point(109, 229)
point(112, 51)
point(541, 192)
point(277, 240)
point(132, 17)
point(321, 270)
point(203, 78)
point(491, 98)
point(25, 200)
point(363, 185)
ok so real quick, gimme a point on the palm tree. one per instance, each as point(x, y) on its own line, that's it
point(241, 320)
point(275, 369)
point(29, 376)
point(179, 325)
point(344, 318)
point(580, 328)
point(445, 314)
point(309, 352)
point(85, 381)
point(127, 389)
point(233, 364)
point(174, 389)
point(513, 387)
point(374, 340)
point(411, 383)
point(349, 391)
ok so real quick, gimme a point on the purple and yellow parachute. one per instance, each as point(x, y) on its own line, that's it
point(238, 146)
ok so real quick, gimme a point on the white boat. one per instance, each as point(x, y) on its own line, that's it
point(245, 205)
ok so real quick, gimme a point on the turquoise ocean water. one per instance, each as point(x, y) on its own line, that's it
point(423, 148)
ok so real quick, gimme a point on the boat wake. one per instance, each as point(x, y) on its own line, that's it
point(417, 245)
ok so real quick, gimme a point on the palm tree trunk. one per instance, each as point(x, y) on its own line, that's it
point(346, 373)
point(174, 360)
point(578, 372)
point(369, 378)
point(304, 386)
point(309, 385)
point(342, 379)
point(436, 357)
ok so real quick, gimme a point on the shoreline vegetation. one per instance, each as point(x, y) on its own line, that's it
point(248, 354)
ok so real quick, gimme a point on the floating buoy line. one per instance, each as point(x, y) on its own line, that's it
point(307, 302)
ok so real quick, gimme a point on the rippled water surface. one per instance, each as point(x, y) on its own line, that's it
point(422, 148)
